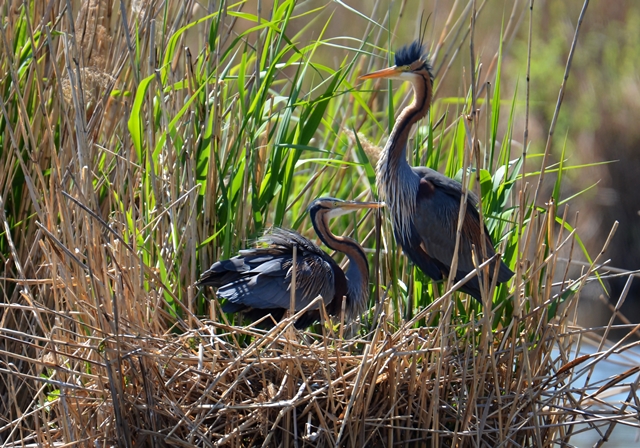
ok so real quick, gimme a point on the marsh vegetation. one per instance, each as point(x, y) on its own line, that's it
point(142, 141)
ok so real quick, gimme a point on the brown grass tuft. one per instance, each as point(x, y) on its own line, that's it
point(372, 151)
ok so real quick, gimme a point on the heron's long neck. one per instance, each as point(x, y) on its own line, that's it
point(396, 145)
point(358, 271)
point(397, 183)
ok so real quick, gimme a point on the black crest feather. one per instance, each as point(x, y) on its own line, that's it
point(411, 53)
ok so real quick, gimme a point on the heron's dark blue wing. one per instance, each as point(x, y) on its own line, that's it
point(263, 280)
point(446, 184)
point(223, 271)
point(414, 249)
point(436, 221)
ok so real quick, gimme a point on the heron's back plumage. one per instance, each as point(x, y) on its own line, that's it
point(437, 211)
point(258, 280)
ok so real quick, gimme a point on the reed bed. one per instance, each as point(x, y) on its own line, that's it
point(141, 141)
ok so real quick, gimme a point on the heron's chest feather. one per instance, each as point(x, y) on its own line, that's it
point(398, 185)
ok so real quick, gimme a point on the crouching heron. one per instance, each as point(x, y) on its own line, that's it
point(258, 281)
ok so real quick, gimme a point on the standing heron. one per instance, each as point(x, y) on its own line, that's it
point(258, 281)
point(423, 203)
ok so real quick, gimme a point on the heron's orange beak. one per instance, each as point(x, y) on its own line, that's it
point(337, 207)
point(353, 205)
point(389, 72)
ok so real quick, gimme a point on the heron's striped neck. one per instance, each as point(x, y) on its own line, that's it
point(397, 183)
point(357, 286)
point(358, 271)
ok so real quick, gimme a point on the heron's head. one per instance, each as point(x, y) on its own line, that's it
point(412, 63)
point(332, 207)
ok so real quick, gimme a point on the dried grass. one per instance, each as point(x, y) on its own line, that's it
point(98, 374)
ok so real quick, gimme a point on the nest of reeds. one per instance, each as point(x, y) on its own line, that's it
point(214, 384)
